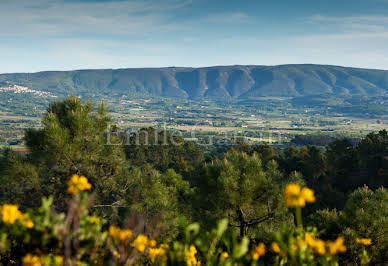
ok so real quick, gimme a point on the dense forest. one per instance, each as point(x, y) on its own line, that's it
point(83, 195)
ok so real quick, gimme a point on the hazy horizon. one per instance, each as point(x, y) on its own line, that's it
point(161, 67)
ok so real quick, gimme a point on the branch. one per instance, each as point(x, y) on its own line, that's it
point(259, 220)
point(113, 205)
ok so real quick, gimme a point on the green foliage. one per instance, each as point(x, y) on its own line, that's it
point(72, 141)
point(373, 154)
point(342, 168)
point(239, 188)
point(24, 188)
point(364, 216)
point(156, 190)
point(162, 150)
point(162, 199)
point(264, 151)
point(44, 237)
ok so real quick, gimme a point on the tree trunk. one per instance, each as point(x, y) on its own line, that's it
point(242, 223)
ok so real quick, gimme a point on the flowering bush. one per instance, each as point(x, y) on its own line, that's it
point(43, 237)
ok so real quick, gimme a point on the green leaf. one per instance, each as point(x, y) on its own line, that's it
point(192, 230)
point(241, 248)
point(221, 227)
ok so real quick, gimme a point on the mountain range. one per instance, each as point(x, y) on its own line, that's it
point(219, 82)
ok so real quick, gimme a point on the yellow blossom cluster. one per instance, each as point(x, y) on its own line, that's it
point(295, 196)
point(140, 243)
point(78, 183)
point(190, 258)
point(258, 251)
point(26, 221)
point(275, 247)
point(10, 214)
point(154, 252)
point(32, 260)
point(337, 246)
point(316, 244)
point(121, 234)
point(364, 241)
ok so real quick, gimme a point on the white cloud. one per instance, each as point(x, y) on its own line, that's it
point(365, 23)
point(48, 17)
point(60, 34)
point(230, 17)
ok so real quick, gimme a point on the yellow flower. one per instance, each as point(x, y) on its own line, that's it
point(140, 243)
point(294, 196)
point(190, 258)
point(193, 250)
point(32, 260)
point(164, 246)
point(10, 213)
point(152, 243)
point(59, 260)
point(310, 240)
point(275, 247)
point(120, 234)
point(320, 247)
point(317, 245)
point(307, 194)
point(224, 256)
point(292, 189)
point(78, 183)
point(258, 251)
point(364, 241)
point(26, 221)
point(116, 254)
point(337, 246)
point(124, 234)
point(154, 253)
point(114, 231)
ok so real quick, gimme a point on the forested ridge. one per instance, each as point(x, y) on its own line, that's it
point(218, 82)
point(74, 200)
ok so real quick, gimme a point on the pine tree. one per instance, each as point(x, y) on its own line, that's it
point(239, 188)
point(73, 141)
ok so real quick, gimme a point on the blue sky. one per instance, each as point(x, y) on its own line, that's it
point(42, 35)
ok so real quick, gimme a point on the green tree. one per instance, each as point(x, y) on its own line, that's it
point(161, 200)
point(162, 150)
point(240, 189)
point(265, 151)
point(19, 182)
point(308, 160)
point(73, 141)
point(364, 216)
point(373, 154)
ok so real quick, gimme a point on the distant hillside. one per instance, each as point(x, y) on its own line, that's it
point(220, 82)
